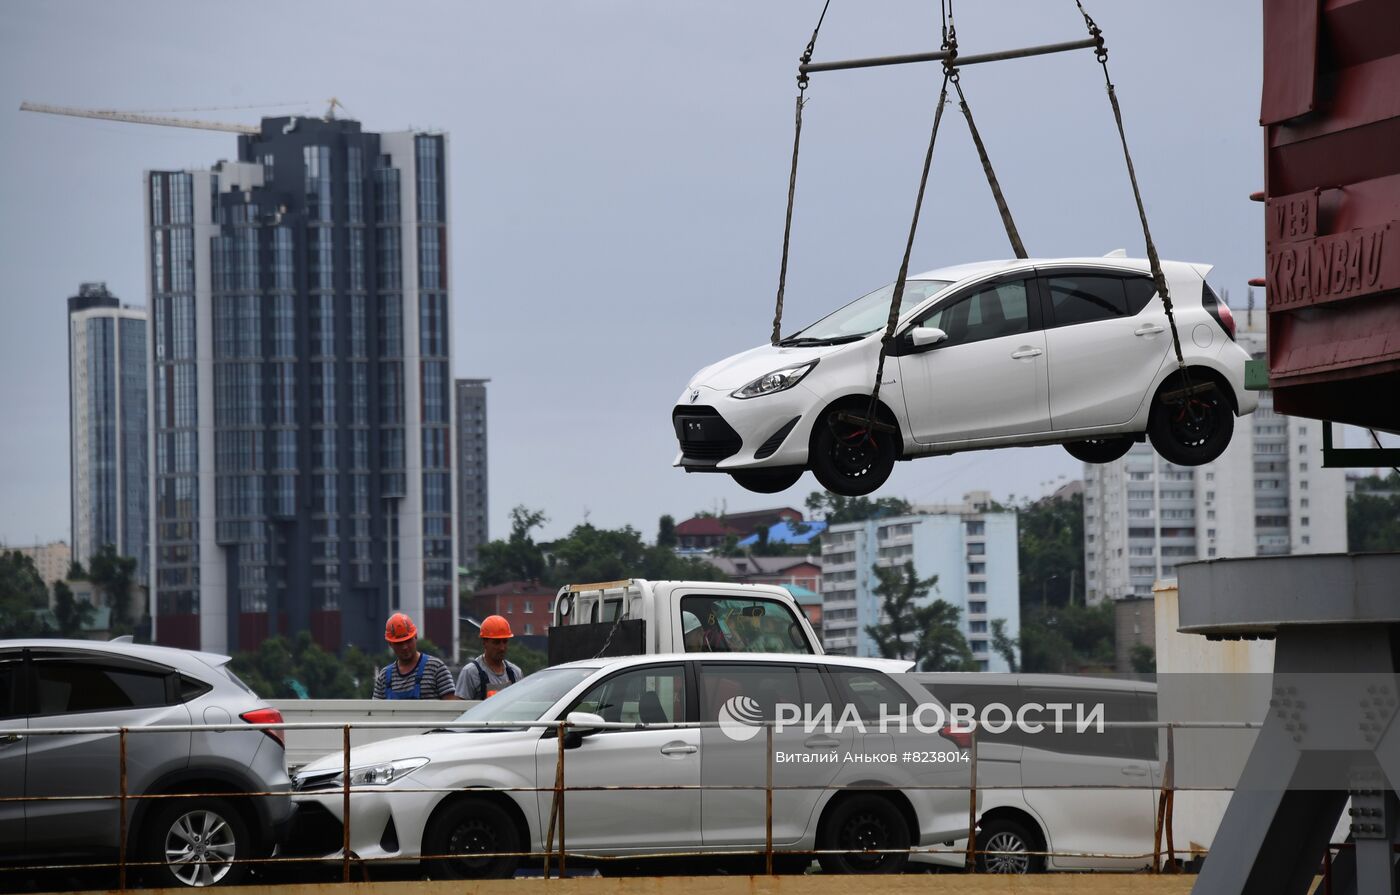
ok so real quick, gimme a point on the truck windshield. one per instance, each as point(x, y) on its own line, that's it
point(866, 314)
point(529, 698)
point(713, 624)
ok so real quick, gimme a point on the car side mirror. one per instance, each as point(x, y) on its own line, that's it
point(927, 336)
point(578, 729)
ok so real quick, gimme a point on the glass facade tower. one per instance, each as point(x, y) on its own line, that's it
point(107, 425)
point(303, 407)
point(471, 470)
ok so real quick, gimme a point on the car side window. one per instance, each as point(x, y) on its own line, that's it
point(1086, 298)
point(651, 695)
point(749, 690)
point(994, 311)
point(1140, 291)
point(65, 686)
point(873, 694)
point(9, 689)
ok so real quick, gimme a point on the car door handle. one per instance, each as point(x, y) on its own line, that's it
point(9, 738)
point(1150, 329)
point(1134, 772)
point(678, 749)
point(1026, 352)
point(822, 743)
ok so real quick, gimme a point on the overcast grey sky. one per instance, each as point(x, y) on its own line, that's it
point(618, 174)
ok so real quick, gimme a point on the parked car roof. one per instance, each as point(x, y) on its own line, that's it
point(164, 654)
point(891, 666)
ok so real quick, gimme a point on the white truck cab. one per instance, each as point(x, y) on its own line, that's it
point(635, 617)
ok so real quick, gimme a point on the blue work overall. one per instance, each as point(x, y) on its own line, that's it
point(390, 693)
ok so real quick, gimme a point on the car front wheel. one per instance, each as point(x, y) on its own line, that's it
point(851, 458)
point(870, 834)
point(768, 481)
point(472, 827)
point(1193, 430)
point(1099, 450)
point(196, 843)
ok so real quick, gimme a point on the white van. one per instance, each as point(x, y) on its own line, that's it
point(1115, 775)
point(638, 617)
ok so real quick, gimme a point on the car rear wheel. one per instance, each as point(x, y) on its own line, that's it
point(1011, 844)
point(768, 481)
point(1099, 450)
point(196, 843)
point(871, 834)
point(1193, 430)
point(473, 827)
point(850, 458)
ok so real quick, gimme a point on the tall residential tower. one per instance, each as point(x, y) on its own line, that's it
point(302, 411)
point(471, 469)
point(107, 425)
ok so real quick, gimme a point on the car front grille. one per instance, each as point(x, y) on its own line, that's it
point(314, 832)
point(704, 436)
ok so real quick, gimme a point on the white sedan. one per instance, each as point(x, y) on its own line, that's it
point(1073, 351)
point(470, 792)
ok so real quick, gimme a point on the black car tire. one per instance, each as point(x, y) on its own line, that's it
point(768, 481)
point(864, 821)
point(179, 832)
point(472, 825)
point(1005, 835)
point(848, 459)
point(1099, 450)
point(1193, 431)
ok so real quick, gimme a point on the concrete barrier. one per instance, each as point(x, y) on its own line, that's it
point(308, 745)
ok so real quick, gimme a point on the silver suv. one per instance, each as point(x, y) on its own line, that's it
point(63, 784)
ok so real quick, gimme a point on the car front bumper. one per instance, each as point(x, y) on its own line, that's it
point(720, 433)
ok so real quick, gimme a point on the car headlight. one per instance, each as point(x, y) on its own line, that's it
point(382, 774)
point(777, 381)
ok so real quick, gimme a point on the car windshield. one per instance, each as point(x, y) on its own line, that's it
point(529, 698)
point(866, 314)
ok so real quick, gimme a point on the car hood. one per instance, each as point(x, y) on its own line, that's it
point(740, 369)
point(457, 746)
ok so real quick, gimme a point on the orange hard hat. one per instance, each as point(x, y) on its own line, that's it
point(494, 627)
point(399, 628)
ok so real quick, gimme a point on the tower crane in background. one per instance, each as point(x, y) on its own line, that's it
point(136, 118)
point(165, 120)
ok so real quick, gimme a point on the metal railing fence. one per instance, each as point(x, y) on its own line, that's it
point(555, 857)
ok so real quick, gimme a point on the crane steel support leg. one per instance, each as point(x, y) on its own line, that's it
point(1328, 737)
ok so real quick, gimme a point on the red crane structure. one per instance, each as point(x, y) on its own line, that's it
point(1330, 109)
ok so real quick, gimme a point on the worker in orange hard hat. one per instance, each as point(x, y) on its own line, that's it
point(490, 672)
point(412, 674)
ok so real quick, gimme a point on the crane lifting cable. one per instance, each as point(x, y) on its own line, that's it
point(866, 425)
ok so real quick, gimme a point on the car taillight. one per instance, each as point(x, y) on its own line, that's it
point(963, 736)
point(267, 716)
point(1227, 320)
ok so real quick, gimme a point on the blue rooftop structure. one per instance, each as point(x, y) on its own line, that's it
point(786, 532)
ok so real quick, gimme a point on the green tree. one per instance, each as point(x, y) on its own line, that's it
point(666, 532)
point(836, 509)
point(518, 557)
point(23, 597)
point(1373, 519)
point(1143, 659)
point(112, 574)
point(71, 613)
point(1050, 551)
point(926, 633)
point(1003, 645)
point(529, 660)
point(589, 553)
point(1066, 639)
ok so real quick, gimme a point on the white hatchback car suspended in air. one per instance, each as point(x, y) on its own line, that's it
point(1072, 351)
